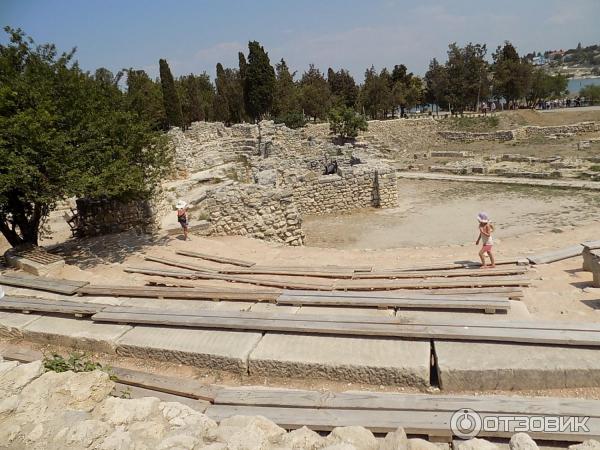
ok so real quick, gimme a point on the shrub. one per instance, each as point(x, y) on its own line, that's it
point(76, 362)
point(292, 119)
point(346, 123)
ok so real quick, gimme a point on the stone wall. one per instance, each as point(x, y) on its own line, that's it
point(526, 132)
point(467, 136)
point(105, 216)
point(353, 187)
point(255, 211)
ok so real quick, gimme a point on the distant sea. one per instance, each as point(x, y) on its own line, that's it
point(575, 84)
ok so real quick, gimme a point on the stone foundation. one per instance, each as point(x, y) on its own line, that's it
point(105, 216)
point(353, 187)
point(255, 211)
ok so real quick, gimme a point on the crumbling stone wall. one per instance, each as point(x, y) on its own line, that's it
point(255, 211)
point(353, 187)
point(104, 216)
point(467, 136)
point(526, 132)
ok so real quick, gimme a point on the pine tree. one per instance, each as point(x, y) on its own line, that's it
point(259, 82)
point(170, 97)
point(315, 94)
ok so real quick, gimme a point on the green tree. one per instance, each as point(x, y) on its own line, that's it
point(64, 133)
point(314, 94)
point(345, 122)
point(545, 86)
point(376, 95)
point(436, 84)
point(259, 82)
point(170, 97)
point(344, 90)
point(145, 98)
point(228, 105)
point(591, 93)
point(512, 74)
point(468, 80)
point(286, 97)
point(196, 93)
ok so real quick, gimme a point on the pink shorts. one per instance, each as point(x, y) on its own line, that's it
point(487, 248)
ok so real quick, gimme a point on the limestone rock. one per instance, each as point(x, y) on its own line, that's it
point(522, 441)
point(178, 442)
point(395, 440)
point(421, 444)
point(265, 426)
point(359, 437)
point(14, 379)
point(477, 444)
point(303, 438)
point(118, 411)
point(590, 444)
point(53, 393)
point(117, 440)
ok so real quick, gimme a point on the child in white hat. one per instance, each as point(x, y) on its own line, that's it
point(182, 217)
point(485, 236)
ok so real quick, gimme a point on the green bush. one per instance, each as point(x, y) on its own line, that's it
point(474, 123)
point(346, 122)
point(76, 362)
point(292, 120)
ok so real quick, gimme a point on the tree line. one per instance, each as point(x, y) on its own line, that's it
point(256, 89)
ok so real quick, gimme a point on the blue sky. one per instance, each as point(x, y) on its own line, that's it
point(194, 35)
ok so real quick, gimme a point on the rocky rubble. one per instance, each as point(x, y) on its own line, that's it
point(76, 411)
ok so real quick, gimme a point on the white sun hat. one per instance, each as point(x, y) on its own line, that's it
point(180, 204)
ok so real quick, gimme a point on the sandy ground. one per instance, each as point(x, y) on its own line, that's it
point(434, 214)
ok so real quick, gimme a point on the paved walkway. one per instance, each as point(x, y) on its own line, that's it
point(568, 184)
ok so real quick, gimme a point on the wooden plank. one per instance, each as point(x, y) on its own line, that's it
point(448, 303)
point(208, 293)
point(458, 265)
point(591, 245)
point(30, 304)
point(430, 423)
point(463, 294)
point(508, 292)
point(129, 391)
point(267, 282)
point(462, 323)
point(297, 398)
point(517, 270)
point(472, 282)
point(181, 264)
point(489, 333)
point(183, 387)
point(59, 286)
point(189, 275)
point(292, 272)
point(219, 259)
point(556, 255)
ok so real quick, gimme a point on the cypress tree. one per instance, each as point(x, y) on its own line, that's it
point(259, 81)
point(243, 65)
point(170, 98)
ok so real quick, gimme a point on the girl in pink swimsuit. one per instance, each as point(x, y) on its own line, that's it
point(485, 236)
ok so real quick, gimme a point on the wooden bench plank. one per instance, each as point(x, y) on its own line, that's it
point(297, 398)
point(219, 259)
point(419, 303)
point(181, 264)
point(556, 255)
point(183, 387)
point(129, 391)
point(180, 293)
point(293, 272)
point(67, 287)
point(491, 332)
point(430, 423)
point(472, 282)
point(29, 304)
point(498, 271)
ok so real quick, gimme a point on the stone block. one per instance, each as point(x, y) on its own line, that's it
point(77, 333)
point(214, 349)
point(373, 361)
point(12, 324)
point(506, 366)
